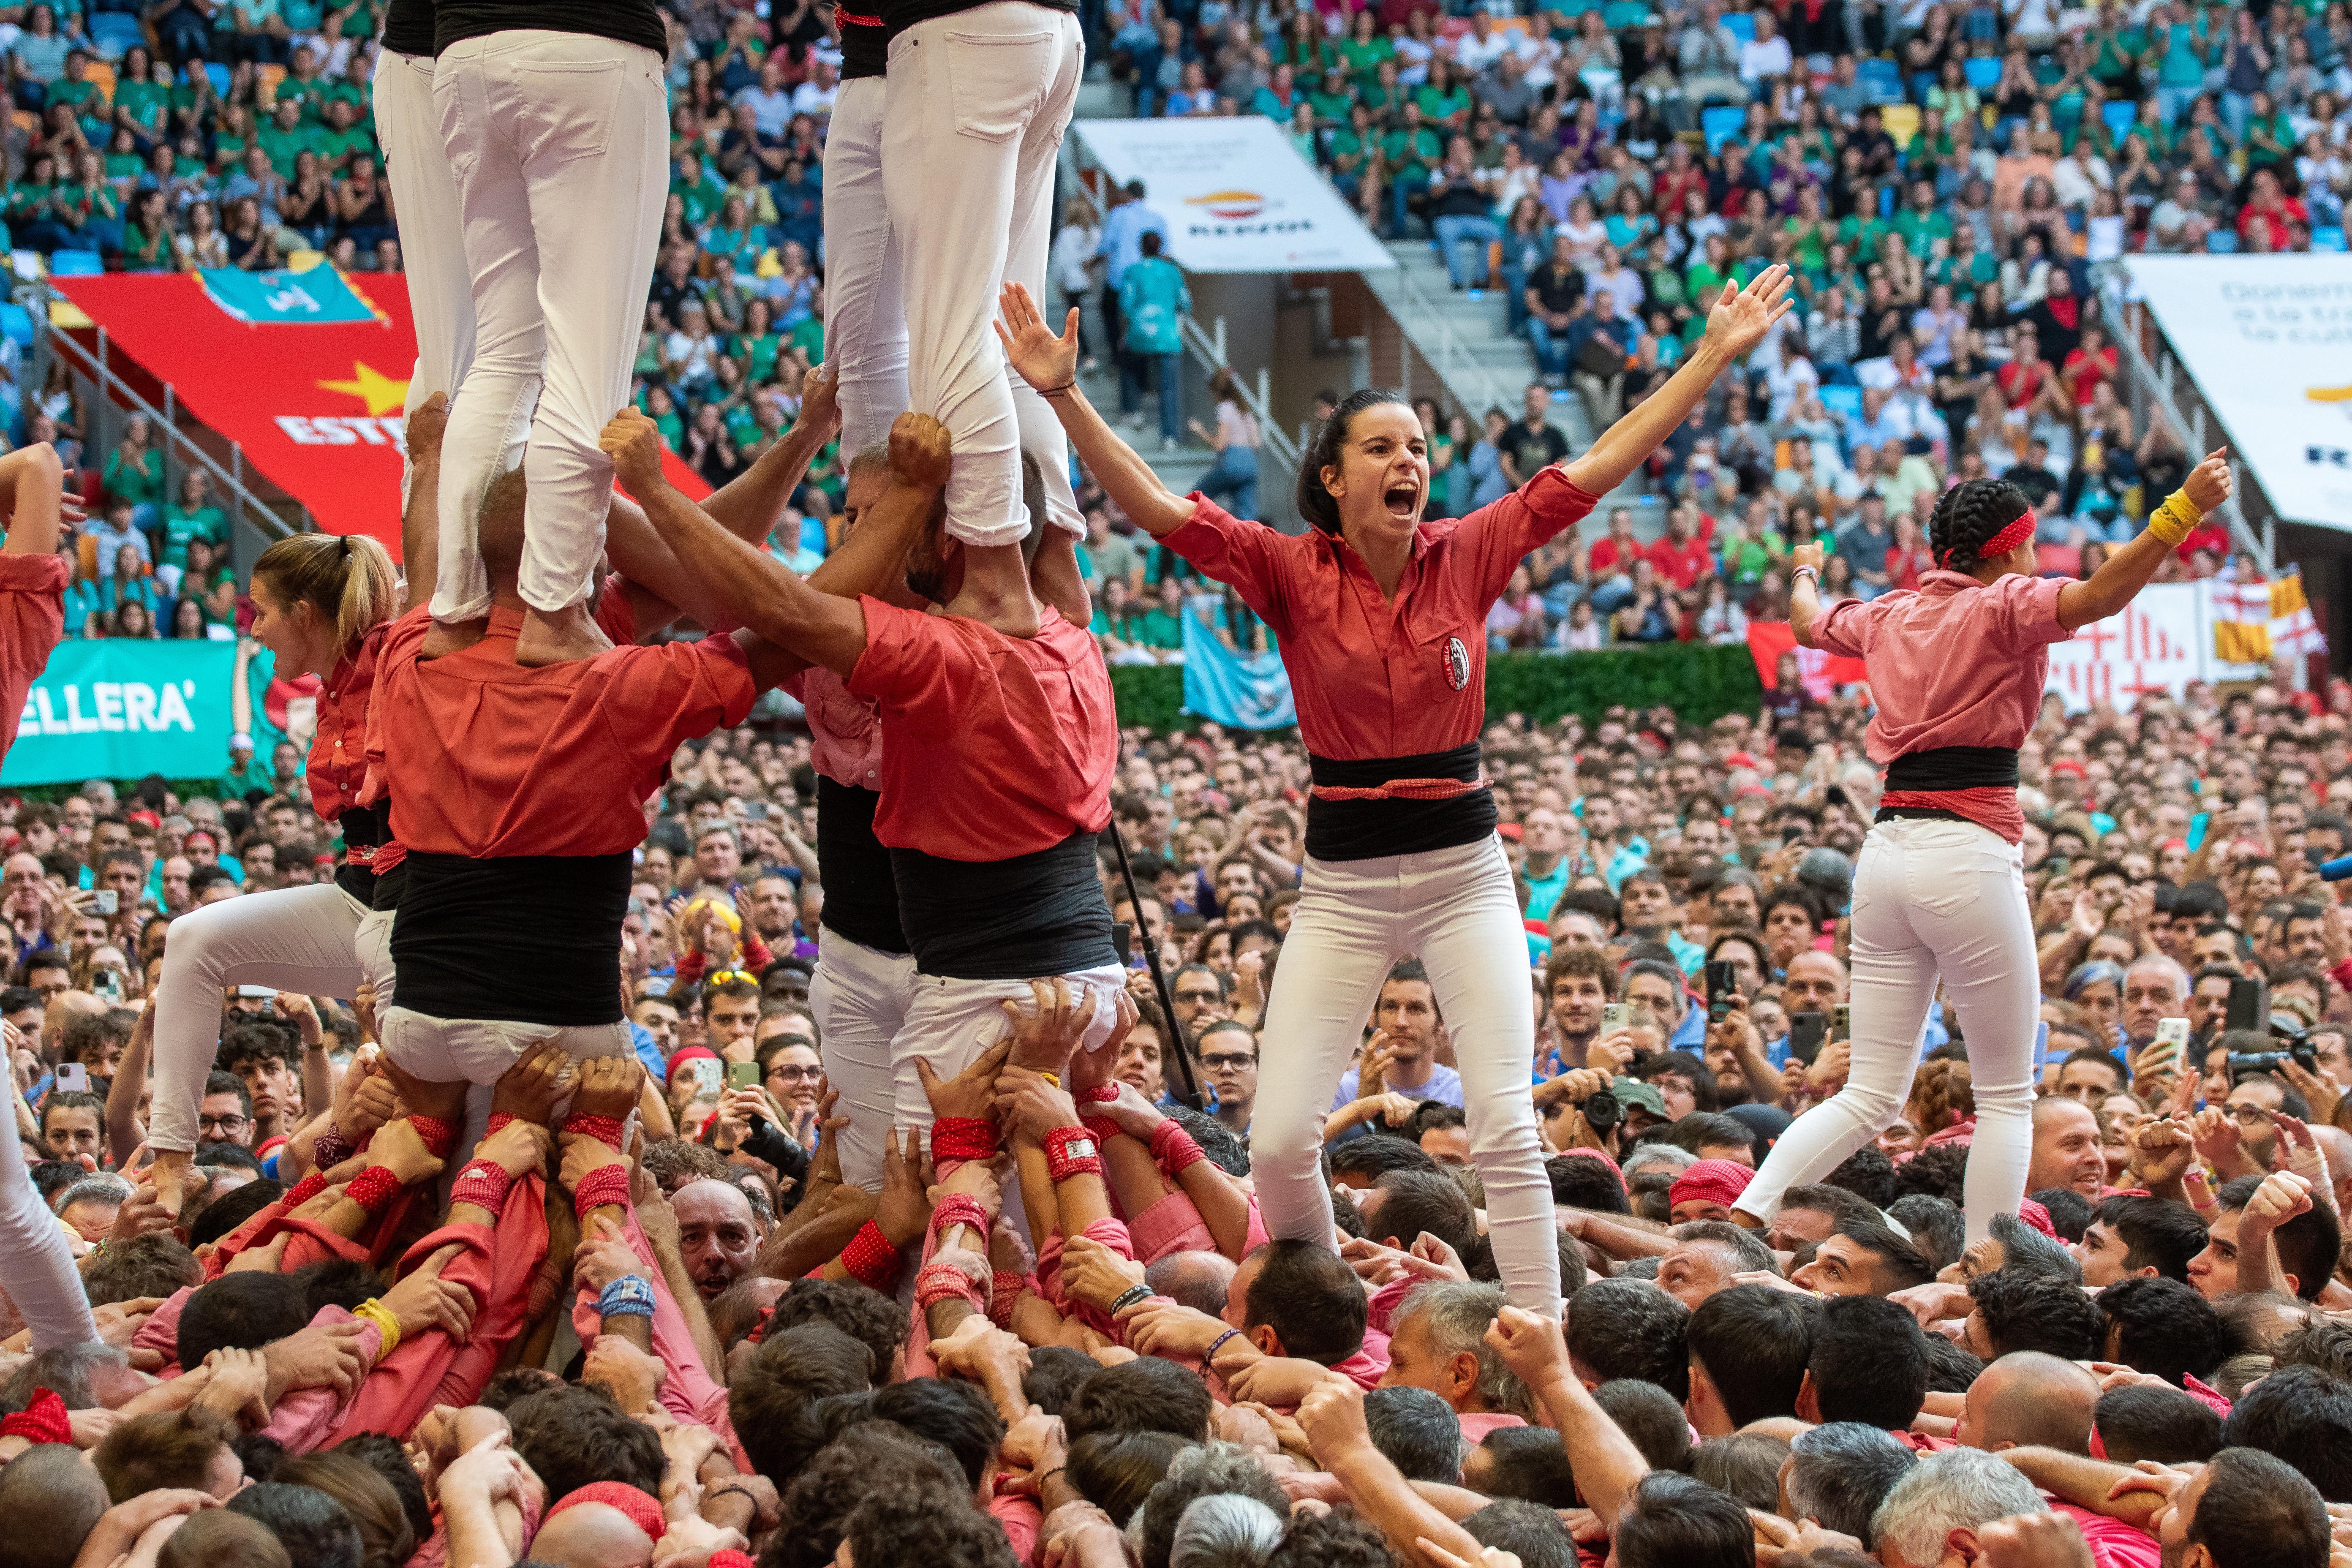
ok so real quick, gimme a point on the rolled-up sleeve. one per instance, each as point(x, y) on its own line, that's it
point(1249, 556)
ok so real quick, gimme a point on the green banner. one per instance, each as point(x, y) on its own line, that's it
point(118, 708)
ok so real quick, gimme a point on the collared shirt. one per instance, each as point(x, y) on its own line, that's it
point(845, 731)
point(1955, 662)
point(1000, 746)
point(32, 619)
point(1123, 229)
point(1384, 677)
point(485, 758)
point(339, 750)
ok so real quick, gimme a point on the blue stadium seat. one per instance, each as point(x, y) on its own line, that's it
point(219, 75)
point(1921, 83)
point(2328, 239)
point(2119, 118)
point(1843, 401)
point(1983, 74)
point(1882, 80)
point(113, 32)
point(16, 324)
point(76, 264)
point(1740, 25)
point(1720, 123)
point(2222, 242)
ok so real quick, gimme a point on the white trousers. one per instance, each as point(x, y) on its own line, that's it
point(975, 106)
point(865, 314)
point(34, 1261)
point(560, 146)
point(317, 940)
point(479, 1050)
point(432, 240)
point(1457, 911)
point(950, 1022)
point(861, 995)
point(1931, 898)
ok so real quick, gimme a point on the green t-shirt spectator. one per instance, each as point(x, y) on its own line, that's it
point(311, 95)
point(1412, 154)
point(1920, 229)
point(182, 528)
point(336, 149)
point(64, 91)
point(1345, 152)
point(1155, 627)
point(703, 198)
point(345, 91)
point(809, 338)
point(1362, 59)
point(1747, 559)
point(1331, 108)
point(150, 103)
point(758, 355)
point(280, 145)
point(1436, 107)
point(88, 201)
point(1862, 235)
point(141, 486)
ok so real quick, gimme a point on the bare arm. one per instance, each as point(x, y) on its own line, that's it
point(123, 1096)
point(2129, 569)
point(2085, 1482)
point(1737, 322)
point(1607, 1467)
point(1050, 364)
point(32, 487)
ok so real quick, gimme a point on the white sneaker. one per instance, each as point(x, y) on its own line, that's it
point(1167, 443)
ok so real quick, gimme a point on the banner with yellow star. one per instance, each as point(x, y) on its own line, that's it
point(313, 406)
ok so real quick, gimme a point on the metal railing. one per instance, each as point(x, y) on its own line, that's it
point(2156, 385)
point(1431, 324)
point(110, 402)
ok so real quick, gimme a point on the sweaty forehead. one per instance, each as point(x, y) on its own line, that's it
point(708, 1202)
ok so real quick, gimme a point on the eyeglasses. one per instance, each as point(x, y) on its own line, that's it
point(227, 1126)
point(796, 1075)
point(1224, 1063)
point(1199, 996)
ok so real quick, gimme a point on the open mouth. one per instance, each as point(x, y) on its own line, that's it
point(1402, 500)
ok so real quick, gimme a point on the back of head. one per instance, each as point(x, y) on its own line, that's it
point(71, 1371)
point(49, 1482)
point(386, 1537)
point(949, 1412)
point(1869, 1363)
point(1937, 1227)
point(2034, 1401)
point(1225, 1530)
point(314, 1528)
point(1677, 1522)
point(571, 1435)
point(1531, 1464)
point(2257, 1512)
point(875, 1458)
point(217, 1538)
point(2307, 1245)
point(1651, 1418)
point(165, 1449)
point(1146, 1395)
point(1630, 1328)
point(384, 1453)
point(346, 579)
point(2163, 1326)
point(1959, 1488)
point(876, 1321)
point(1968, 516)
point(1117, 1470)
point(2304, 1416)
point(2141, 1421)
point(1745, 1467)
point(2027, 1311)
point(2157, 1233)
point(1755, 1341)
point(240, 1311)
point(1412, 1202)
point(769, 1395)
point(1207, 1470)
point(1311, 1298)
point(1417, 1431)
point(1194, 1279)
point(1534, 1535)
point(1842, 1472)
point(925, 1526)
point(156, 1264)
point(2028, 1252)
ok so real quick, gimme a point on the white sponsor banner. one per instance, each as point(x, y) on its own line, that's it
point(2269, 341)
point(2162, 641)
point(1237, 194)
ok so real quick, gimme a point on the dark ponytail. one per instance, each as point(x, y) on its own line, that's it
point(1968, 516)
point(1314, 503)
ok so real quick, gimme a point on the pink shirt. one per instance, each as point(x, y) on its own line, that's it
point(845, 731)
point(1956, 663)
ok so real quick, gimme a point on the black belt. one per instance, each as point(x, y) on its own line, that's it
point(1908, 812)
point(1369, 829)
point(1954, 767)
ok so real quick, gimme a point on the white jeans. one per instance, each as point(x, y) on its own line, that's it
point(479, 1050)
point(1931, 898)
point(305, 940)
point(560, 145)
point(432, 235)
point(860, 995)
point(1457, 911)
point(976, 103)
point(950, 1022)
point(35, 1264)
point(865, 315)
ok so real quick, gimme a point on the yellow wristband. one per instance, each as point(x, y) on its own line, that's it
point(2171, 522)
point(372, 1310)
point(1053, 1078)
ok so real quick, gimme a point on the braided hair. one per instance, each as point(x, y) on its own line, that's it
point(1969, 514)
point(1314, 503)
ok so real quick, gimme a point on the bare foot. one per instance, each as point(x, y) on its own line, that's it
point(451, 637)
point(566, 634)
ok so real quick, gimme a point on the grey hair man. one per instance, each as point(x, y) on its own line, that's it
point(1839, 1474)
point(1439, 1343)
point(1932, 1516)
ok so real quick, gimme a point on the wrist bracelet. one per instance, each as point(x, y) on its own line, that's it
point(1053, 1078)
point(962, 1138)
point(605, 1186)
point(943, 1281)
point(1102, 1129)
point(1802, 573)
point(373, 1189)
point(628, 1297)
point(372, 1310)
point(1003, 1293)
point(959, 1208)
point(1173, 1148)
point(1071, 1151)
point(437, 1136)
point(303, 1191)
point(483, 1184)
point(1101, 1094)
point(1217, 1344)
point(603, 1129)
point(1128, 1298)
point(872, 1258)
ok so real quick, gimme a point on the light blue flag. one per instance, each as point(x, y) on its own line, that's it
point(1243, 690)
point(280, 299)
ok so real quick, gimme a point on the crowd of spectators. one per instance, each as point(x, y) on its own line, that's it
point(2155, 1359)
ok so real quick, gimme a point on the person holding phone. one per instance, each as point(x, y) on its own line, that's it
point(1380, 614)
point(1957, 666)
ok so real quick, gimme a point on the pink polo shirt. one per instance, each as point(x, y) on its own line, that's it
point(1956, 663)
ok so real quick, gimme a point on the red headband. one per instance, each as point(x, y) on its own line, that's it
point(2002, 544)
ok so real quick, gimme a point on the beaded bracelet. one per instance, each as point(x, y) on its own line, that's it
point(483, 1184)
point(962, 1138)
point(373, 1189)
point(606, 1184)
point(437, 1136)
point(872, 1258)
point(1128, 1298)
point(1071, 1151)
point(959, 1208)
point(603, 1129)
point(943, 1281)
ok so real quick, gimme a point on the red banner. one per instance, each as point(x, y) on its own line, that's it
point(1822, 673)
point(316, 407)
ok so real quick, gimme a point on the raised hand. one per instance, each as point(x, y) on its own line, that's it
point(1810, 555)
point(1043, 1038)
point(971, 1093)
point(609, 1086)
point(1742, 317)
point(1040, 359)
point(921, 451)
point(2208, 483)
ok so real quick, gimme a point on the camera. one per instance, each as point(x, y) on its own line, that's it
point(1601, 1110)
point(2302, 1055)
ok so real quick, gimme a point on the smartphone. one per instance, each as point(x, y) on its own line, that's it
point(2248, 1006)
point(1722, 979)
point(1616, 1015)
point(108, 985)
point(708, 1076)
point(755, 811)
point(2173, 1032)
point(74, 1077)
point(742, 1075)
point(1842, 1022)
point(1806, 1032)
point(1122, 941)
point(109, 901)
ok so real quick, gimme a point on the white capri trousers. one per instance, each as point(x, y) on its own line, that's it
point(432, 237)
point(976, 103)
point(1931, 898)
point(36, 1262)
point(865, 314)
point(317, 941)
point(1457, 911)
point(861, 995)
point(560, 146)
